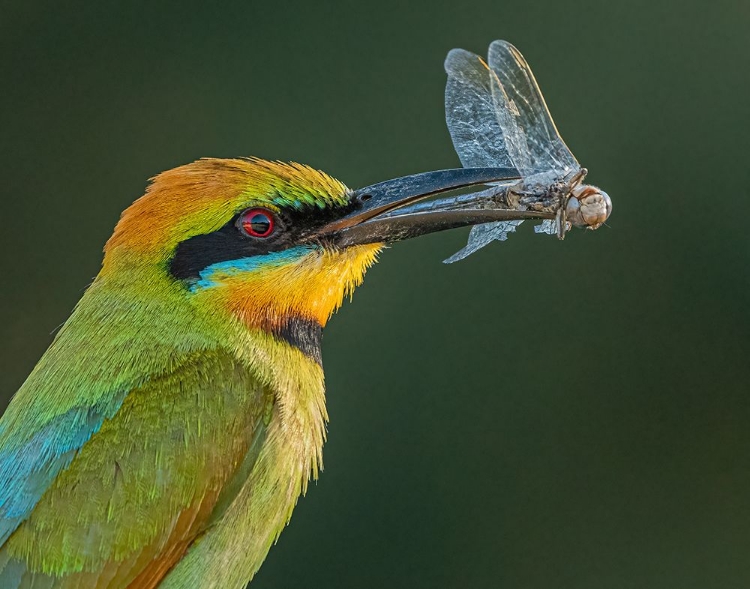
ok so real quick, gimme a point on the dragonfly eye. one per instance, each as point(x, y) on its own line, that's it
point(588, 206)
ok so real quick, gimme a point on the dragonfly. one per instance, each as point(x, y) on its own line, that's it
point(497, 117)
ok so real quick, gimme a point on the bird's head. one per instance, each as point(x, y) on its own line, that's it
point(272, 243)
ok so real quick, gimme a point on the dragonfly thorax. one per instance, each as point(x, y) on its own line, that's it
point(588, 206)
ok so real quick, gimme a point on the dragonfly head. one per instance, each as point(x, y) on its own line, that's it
point(588, 206)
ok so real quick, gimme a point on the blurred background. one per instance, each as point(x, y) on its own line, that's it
point(543, 414)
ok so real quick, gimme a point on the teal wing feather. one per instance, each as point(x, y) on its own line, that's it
point(29, 464)
point(121, 499)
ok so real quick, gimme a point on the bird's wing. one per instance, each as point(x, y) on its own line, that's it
point(31, 457)
point(123, 509)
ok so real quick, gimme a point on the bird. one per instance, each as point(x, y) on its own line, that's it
point(165, 436)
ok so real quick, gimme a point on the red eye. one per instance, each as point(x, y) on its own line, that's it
point(257, 222)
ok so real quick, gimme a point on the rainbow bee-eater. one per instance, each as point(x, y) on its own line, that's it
point(165, 436)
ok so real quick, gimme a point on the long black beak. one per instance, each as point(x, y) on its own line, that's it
point(390, 211)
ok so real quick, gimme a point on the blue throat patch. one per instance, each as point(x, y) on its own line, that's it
point(212, 275)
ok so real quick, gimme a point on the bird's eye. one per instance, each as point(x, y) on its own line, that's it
point(257, 222)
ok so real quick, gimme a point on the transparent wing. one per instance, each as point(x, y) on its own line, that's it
point(481, 235)
point(496, 116)
point(548, 226)
point(531, 138)
point(470, 112)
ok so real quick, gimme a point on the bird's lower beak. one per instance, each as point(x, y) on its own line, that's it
point(390, 211)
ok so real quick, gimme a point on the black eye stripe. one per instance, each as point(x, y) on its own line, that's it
point(227, 243)
point(231, 243)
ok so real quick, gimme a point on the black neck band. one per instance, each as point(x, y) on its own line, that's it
point(303, 334)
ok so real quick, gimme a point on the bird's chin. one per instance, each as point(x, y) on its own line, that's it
point(310, 286)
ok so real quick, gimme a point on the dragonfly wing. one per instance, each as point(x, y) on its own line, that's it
point(483, 234)
point(530, 133)
point(548, 226)
point(470, 112)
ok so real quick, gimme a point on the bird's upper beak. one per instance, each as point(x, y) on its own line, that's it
point(390, 211)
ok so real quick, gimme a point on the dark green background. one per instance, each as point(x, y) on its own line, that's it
point(542, 415)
